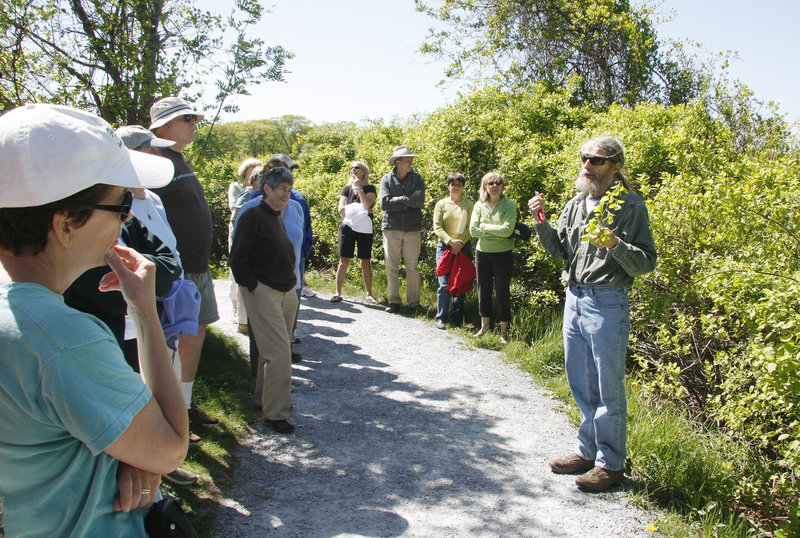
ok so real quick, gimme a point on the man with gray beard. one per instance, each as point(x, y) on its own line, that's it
point(596, 312)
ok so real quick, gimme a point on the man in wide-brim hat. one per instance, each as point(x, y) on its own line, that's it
point(402, 195)
point(190, 218)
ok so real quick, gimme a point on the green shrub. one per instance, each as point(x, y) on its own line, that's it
point(715, 328)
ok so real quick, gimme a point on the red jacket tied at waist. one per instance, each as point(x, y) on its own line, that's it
point(461, 270)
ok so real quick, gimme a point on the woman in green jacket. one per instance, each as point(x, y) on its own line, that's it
point(492, 223)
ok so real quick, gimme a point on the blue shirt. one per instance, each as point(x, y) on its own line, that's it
point(294, 223)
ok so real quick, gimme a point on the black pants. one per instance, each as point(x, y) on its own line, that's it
point(494, 268)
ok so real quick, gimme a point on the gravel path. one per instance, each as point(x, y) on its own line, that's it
point(404, 431)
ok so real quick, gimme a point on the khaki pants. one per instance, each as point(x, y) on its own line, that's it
point(271, 313)
point(407, 245)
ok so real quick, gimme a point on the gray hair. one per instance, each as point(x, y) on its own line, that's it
point(255, 171)
point(274, 177)
point(247, 165)
point(612, 150)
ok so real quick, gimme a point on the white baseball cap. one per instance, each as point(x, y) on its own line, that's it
point(49, 152)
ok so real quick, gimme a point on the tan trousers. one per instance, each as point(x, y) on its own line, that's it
point(397, 244)
point(271, 314)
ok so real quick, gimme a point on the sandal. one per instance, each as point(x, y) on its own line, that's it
point(336, 299)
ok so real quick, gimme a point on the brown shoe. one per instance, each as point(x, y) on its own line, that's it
point(571, 464)
point(393, 308)
point(201, 417)
point(599, 479)
point(280, 426)
point(180, 477)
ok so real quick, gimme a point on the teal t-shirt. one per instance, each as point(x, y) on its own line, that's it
point(66, 394)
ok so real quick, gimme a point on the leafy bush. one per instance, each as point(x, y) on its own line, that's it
point(716, 328)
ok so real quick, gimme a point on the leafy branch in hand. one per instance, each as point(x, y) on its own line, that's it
point(598, 227)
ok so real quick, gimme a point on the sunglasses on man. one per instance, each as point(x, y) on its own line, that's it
point(594, 159)
point(124, 209)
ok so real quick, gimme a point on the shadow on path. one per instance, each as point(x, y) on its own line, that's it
point(402, 431)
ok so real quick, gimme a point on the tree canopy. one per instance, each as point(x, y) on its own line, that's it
point(118, 56)
point(609, 46)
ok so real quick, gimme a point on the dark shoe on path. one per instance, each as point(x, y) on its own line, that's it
point(393, 308)
point(296, 357)
point(180, 477)
point(571, 464)
point(599, 479)
point(336, 299)
point(280, 426)
point(201, 417)
point(440, 324)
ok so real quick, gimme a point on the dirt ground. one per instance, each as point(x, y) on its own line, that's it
point(402, 430)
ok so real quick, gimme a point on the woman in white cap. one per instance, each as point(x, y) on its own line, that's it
point(83, 438)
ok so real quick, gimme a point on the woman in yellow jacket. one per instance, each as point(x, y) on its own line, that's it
point(451, 218)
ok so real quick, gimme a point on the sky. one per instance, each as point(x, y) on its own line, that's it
point(358, 59)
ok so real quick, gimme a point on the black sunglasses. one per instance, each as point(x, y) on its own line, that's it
point(596, 161)
point(494, 182)
point(188, 118)
point(124, 209)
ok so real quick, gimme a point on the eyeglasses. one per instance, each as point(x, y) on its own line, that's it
point(124, 209)
point(189, 118)
point(460, 185)
point(595, 160)
point(494, 182)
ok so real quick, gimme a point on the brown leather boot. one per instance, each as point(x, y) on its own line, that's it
point(571, 464)
point(599, 479)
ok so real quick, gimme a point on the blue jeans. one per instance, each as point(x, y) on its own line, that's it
point(596, 329)
point(443, 310)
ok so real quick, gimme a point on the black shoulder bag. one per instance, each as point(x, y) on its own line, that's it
point(166, 519)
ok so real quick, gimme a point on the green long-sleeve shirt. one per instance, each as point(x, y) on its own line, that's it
point(498, 224)
point(634, 255)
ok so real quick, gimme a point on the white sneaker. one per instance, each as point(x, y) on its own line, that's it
point(369, 299)
point(306, 291)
